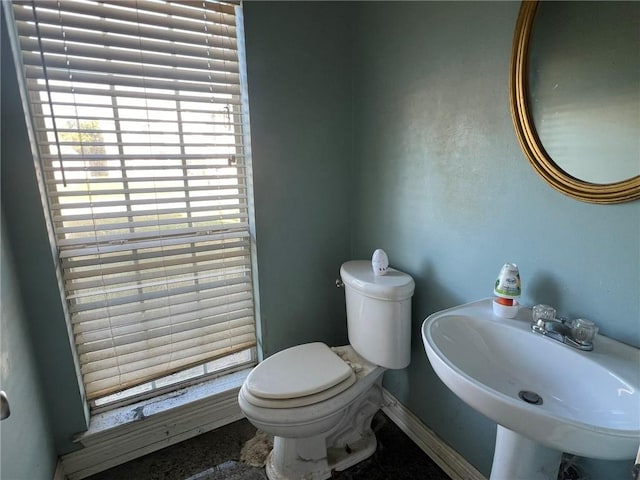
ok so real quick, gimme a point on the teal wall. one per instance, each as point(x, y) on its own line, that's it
point(33, 258)
point(300, 106)
point(435, 176)
point(27, 450)
point(441, 183)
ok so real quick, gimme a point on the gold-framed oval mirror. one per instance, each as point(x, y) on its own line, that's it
point(571, 184)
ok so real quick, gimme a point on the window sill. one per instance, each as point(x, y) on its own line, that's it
point(162, 412)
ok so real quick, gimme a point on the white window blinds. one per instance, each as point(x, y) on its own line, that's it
point(138, 114)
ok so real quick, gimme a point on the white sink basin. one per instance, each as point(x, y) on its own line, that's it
point(590, 400)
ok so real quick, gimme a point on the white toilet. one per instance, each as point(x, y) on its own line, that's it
point(317, 401)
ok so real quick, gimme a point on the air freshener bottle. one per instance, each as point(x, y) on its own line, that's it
point(507, 289)
point(380, 262)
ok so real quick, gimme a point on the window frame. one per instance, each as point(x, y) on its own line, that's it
point(42, 174)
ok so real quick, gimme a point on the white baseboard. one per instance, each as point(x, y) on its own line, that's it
point(450, 461)
point(108, 449)
point(58, 474)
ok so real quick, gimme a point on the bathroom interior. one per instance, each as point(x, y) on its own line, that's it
point(373, 125)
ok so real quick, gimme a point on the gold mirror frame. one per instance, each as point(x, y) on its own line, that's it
point(542, 163)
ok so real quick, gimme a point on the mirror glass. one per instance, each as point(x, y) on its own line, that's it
point(584, 87)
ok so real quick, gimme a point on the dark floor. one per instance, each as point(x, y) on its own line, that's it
point(216, 456)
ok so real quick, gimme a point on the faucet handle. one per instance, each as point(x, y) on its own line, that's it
point(543, 313)
point(583, 330)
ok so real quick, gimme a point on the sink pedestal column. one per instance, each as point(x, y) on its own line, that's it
point(516, 457)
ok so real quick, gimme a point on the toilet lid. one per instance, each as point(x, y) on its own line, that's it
point(298, 371)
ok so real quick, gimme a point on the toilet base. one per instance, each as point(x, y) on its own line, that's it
point(337, 459)
point(351, 441)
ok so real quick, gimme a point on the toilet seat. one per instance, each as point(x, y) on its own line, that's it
point(298, 376)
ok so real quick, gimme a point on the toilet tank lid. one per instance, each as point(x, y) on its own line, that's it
point(298, 371)
point(395, 285)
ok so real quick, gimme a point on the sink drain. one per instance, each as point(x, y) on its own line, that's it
point(530, 397)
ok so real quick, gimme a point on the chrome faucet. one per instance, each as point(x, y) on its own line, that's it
point(578, 333)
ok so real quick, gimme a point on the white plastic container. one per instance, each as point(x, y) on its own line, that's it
point(505, 311)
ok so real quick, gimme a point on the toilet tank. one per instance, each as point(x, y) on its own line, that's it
point(378, 313)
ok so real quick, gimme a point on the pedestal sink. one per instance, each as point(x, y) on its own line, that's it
point(546, 397)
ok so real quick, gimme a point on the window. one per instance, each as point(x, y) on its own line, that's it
point(140, 120)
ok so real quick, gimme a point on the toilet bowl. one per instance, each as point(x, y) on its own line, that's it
point(318, 401)
point(322, 434)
